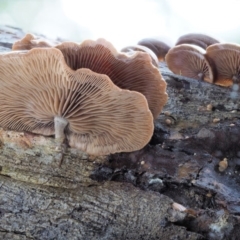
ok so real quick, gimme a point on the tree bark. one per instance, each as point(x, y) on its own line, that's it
point(130, 195)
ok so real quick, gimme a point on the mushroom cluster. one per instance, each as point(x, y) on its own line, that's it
point(133, 72)
point(196, 56)
point(158, 47)
point(100, 100)
point(201, 57)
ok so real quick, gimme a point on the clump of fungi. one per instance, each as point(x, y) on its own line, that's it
point(201, 57)
point(135, 72)
point(100, 100)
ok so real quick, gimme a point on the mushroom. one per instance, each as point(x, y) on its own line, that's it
point(30, 41)
point(226, 60)
point(200, 40)
point(132, 49)
point(189, 61)
point(135, 72)
point(39, 93)
point(158, 47)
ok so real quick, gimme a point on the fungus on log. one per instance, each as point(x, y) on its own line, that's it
point(135, 72)
point(189, 61)
point(39, 93)
point(40, 200)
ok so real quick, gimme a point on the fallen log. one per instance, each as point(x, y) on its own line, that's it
point(130, 195)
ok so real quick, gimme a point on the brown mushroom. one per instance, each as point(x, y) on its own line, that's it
point(158, 47)
point(134, 72)
point(226, 60)
point(200, 40)
point(39, 93)
point(132, 49)
point(189, 61)
point(30, 41)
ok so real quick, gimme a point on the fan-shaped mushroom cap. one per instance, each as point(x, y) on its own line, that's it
point(134, 72)
point(226, 60)
point(132, 49)
point(158, 47)
point(30, 41)
point(200, 40)
point(189, 61)
point(37, 87)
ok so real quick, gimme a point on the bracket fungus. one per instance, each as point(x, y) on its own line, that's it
point(158, 47)
point(189, 61)
point(39, 93)
point(225, 58)
point(197, 39)
point(135, 72)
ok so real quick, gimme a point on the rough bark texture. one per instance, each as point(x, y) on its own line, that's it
point(130, 195)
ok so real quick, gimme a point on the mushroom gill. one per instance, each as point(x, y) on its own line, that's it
point(39, 93)
point(226, 60)
point(189, 61)
point(135, 72)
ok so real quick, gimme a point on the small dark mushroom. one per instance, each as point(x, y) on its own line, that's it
point(158, 47)
point(135, 72)
point(189, 61)
point(225, 58)
point(200, 40)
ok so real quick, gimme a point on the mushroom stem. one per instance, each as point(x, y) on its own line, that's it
point(59, 125)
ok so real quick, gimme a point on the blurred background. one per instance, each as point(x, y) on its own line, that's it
point(124, 22)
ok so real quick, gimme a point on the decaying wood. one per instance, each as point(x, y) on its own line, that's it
point(42, 201)
point(130, 195)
